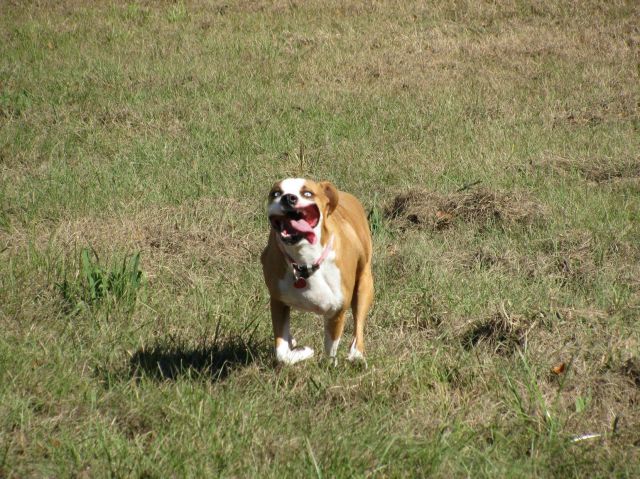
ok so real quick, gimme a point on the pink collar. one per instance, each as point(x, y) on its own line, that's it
point(306, 270)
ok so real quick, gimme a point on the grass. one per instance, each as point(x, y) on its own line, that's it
point(95, 284)
point(137, 144)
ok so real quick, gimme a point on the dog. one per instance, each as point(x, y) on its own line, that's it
point(317, 259)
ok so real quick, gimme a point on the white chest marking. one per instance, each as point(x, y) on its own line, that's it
point(323, 293)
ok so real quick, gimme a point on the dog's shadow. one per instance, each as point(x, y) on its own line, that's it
point(215, 360)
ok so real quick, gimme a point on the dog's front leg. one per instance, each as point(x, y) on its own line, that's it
point(283, 341)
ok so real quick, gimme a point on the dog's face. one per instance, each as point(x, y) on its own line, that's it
point(297, 208)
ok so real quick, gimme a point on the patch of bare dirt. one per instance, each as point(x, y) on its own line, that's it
point(435, 211)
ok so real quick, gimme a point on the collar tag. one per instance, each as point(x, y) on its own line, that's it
point(302, 272)
point(305, 270)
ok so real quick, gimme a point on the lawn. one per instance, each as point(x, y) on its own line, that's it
point(496, 147)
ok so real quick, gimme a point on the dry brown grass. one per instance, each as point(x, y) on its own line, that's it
point(500, 333)
point(573, 258)
point(599, 367)
point(595, 170)
point(207, 231)
point(575, 358)
point(480, 206)
point(497, 49)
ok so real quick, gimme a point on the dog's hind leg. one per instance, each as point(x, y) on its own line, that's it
point(333, 327)
point(360, 305)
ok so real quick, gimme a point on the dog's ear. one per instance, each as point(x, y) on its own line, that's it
point(331, 192)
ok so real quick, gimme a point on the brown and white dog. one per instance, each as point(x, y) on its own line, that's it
point(318, 259)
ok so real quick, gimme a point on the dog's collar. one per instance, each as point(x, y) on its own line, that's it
point(306, 270)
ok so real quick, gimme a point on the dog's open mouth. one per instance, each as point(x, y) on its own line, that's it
point(296, 224)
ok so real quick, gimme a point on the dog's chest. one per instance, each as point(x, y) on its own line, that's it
point(322, 293)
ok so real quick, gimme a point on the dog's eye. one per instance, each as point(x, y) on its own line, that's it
point(275, 194)
point(307, 194)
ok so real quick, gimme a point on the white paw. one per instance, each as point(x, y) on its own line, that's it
point(292, 356)
point(356, 357)
point(330, 346)
point(358, 360)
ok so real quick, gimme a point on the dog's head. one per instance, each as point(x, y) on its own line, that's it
point(297, 208)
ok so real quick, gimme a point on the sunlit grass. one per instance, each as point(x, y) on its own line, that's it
point(137, 144)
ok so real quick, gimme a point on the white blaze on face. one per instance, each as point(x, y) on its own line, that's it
point(291, 186)
point(294, 186)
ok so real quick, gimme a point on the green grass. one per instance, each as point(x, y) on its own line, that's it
point(138, 142)
point(96, 284)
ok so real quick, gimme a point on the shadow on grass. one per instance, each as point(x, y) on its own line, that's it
point(216, 361)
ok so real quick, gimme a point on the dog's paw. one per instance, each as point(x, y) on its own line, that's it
point(356, 357)
point(292, 356)
point(358, 360)
point(331, 361)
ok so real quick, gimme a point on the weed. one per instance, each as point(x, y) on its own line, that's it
point(14, 104)
point(376, 218)
point(96, 284)
point(177, 13)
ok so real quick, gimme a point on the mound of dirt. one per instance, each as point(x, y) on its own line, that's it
point(429, 210)
point(631, 369)
point(501, 333)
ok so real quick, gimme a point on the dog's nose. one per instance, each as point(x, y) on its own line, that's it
point(289, 200)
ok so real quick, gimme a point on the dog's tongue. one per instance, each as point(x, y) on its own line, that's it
point(302, 226)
